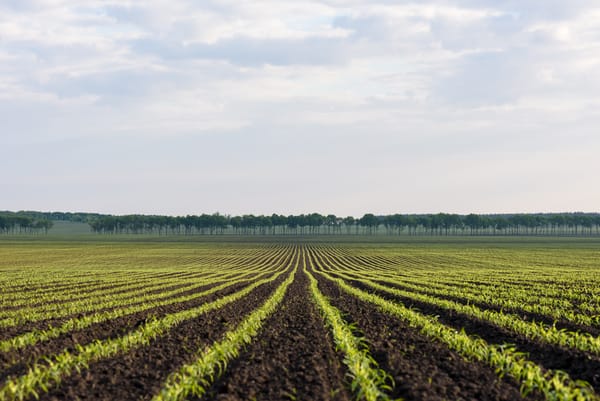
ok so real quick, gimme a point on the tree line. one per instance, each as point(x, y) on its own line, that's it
point(561, 224)
point(19, 223)
point(368, 224)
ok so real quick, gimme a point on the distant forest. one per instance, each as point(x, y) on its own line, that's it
point(24, 223)
point(560, 224)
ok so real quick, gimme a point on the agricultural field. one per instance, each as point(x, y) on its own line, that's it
point(299, 320)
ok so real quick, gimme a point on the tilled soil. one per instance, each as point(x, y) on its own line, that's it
point(292, 358)
point(100, 331)
point(10, 332)
point(422, 369)
point(116, 292)
point(527, 316)
point(140, 373)
point(579, 365)
point(96, 285)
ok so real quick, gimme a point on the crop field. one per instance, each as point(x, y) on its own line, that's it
point(298, 320)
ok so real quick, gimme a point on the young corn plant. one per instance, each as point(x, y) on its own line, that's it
point(368, 382)
point(43, 376)
point(195, 378)
point(36, 336)
point(532, 330)
point(555, 385)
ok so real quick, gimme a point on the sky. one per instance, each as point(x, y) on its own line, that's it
point(267, 106)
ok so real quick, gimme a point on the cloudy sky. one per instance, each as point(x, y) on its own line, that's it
point(262, 106)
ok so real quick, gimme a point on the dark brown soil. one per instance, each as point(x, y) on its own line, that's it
point(293, 357)
point(109, 329)
point(579, 365)
point(422, 369)
point(10, 332)
point(528, 316)
point(110, 291)
point(102, 285)
point(140, 373)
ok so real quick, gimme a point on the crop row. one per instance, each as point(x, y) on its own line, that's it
point(505, 360)
point(78, 323)
point(42, 270)
point(522, 301)
point(38, 280)
point(42, 375)
point(55, 301)
point(170, 298)
point(140, 296)
point(555, 303)
point(351, 269)
point(368, 381)
point(194, 378)
point(532, 330)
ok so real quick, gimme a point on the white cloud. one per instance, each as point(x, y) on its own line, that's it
point(377, 91)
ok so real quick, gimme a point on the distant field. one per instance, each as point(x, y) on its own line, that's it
point(299, 318)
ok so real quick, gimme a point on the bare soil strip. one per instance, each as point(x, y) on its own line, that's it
point(17, 362)
point(578, 364)
point(14, 331)
point(140, 373)
point(10, 332)
point(82, 295)
point(95, 285)
point(528, 316)
point(422, 369)
point(292, 358)
point(23, 328)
